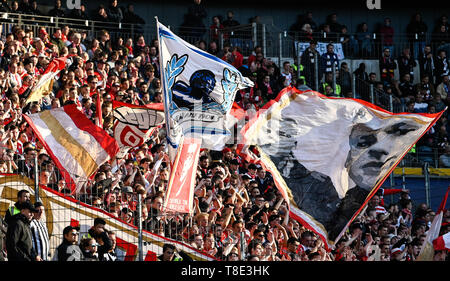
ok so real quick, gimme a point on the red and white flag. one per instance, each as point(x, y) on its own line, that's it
point(133, 124)
point(77, 146)
point(180, 191)
point(427, 251)
point(442, 242)
point(45, 83)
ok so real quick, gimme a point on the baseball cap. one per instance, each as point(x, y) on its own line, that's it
point(127, 189)
point(27, 205)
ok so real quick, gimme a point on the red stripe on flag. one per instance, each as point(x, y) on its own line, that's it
point(182, 179)
point(154, 106)
point(70, 183)
point(108, 143)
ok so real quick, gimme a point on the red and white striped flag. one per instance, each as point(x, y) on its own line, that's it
point(76, 145)
point(442, 242)
point(45, 83)
point(427, 251)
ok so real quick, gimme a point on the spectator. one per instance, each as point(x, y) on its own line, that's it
point(22, 196)
point(130, 17)
point(387, 67)
point(24, 7)
point(444, 159)
point(345, 80)
point(34, 9)
point(19, 243)
point(426, 87)
point(427, 62)
point(69, 250)
point(170, 253)
point(387, 35)
point(329, 61)
point(41, 239)
point(89, 247)
point(57, 10)
point(364, 38)
point(441, 66)
point(79, 13)
point(441, 38)
point(194, 20)
point(443, 89)
point(406, 64)
point(335, 26)
point(114, 12)
point(416, 31)
point(215, 29)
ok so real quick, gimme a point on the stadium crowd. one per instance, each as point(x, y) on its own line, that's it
point(239, 213)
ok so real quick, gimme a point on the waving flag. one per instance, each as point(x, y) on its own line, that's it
point(427, 250)
point(199, 91)
point(133, 124)
point(332, 153)
point(76, 145)
point(45, 83)
point(442, 242)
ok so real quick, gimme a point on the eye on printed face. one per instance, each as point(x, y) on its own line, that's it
point(374, 151)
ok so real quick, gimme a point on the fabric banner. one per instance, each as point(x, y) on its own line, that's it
point(45, 83)
point(62, 211)
point(427, 250)
point(300, 47)
point(442, 242)
point(133, 124)
point(199, 91)
point(180, 190)
point(332, 153)
point(76, 145)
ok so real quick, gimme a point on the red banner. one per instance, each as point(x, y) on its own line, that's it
point(180, 190)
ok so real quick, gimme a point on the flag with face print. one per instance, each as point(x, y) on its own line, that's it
point(331, 154)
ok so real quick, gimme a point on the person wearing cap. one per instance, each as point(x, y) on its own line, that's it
point(69, 250)
point(19, 243)
point(41, 241)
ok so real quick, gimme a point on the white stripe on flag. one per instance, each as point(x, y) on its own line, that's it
point(84, 139)
point(65, 158)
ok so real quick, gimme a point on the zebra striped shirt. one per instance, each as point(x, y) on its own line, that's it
point(40, 239)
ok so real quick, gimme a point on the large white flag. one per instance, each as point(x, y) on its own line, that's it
point(76, 145)
point(332, 153)
point(199, 91)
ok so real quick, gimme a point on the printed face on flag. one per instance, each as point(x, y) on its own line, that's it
point(374, 151)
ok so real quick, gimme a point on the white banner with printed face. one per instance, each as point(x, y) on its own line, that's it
point(333, 153)
point(321, 48)
point(63, 211)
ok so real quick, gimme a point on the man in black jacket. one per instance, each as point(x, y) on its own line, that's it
point(19, 243)
point(69, 250)
point(22, 196)
point(406, 64)
point(100, 235)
